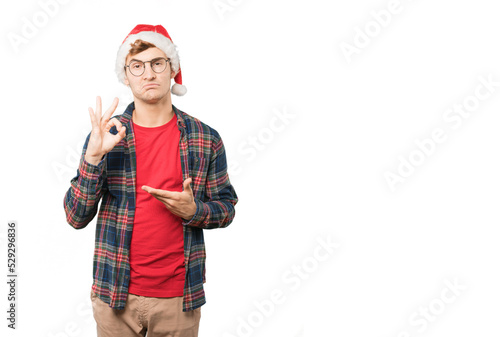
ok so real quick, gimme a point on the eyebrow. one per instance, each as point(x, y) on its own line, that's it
point(160, 57)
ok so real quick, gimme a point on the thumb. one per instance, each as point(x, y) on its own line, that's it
point(187, 185)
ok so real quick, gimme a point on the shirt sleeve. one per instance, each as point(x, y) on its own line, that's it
point(217, 210)
point(82, 199)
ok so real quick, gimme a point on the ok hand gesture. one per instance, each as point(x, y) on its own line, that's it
point(101, 140)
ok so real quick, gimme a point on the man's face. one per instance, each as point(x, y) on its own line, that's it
point(149, 87)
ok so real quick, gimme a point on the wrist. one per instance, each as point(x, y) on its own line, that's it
point(93, 159)
point(191, 212)
point(193, 209)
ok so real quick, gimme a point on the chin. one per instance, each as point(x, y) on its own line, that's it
point(152, 99)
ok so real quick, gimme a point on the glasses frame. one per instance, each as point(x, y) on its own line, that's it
point(150, 64)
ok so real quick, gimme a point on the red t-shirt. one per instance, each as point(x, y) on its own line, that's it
point(157, 249)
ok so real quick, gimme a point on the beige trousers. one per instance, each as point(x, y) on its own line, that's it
point(155, 316)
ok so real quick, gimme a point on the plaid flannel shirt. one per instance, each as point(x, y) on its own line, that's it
point(113, 179)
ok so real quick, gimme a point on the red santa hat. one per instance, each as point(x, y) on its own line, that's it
point(158, 36)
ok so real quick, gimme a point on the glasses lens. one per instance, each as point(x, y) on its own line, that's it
point(136, 68)
point(159, 65)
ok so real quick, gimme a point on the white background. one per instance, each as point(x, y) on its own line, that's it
point(318, 175)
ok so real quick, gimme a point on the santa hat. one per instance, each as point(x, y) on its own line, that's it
point(158, 36)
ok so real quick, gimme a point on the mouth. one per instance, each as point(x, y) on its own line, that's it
point(149, 86)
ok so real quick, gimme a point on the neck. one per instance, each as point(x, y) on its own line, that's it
point(153, 114)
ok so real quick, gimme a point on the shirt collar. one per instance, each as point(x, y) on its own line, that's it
point(127, 115)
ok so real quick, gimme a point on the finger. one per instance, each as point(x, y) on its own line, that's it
point(153, 191)
point(98, 107)
point(163, 200)
point(111, 109)
point(92, 119)
point(113, 122)
point(121, 134)
point(148, 189)
point(156, 192)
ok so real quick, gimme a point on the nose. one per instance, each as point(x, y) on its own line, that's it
point(148, 70)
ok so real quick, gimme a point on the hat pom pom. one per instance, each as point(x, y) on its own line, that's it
point(179, 89)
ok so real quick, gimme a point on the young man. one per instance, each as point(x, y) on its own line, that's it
point(161, 177)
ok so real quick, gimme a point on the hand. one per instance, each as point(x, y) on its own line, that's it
point(101, 140)
point(180, 203)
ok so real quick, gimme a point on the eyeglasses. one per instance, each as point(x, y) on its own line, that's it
point(158, 65)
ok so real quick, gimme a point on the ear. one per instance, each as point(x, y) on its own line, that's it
point(172, 74)
point(127, 83)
